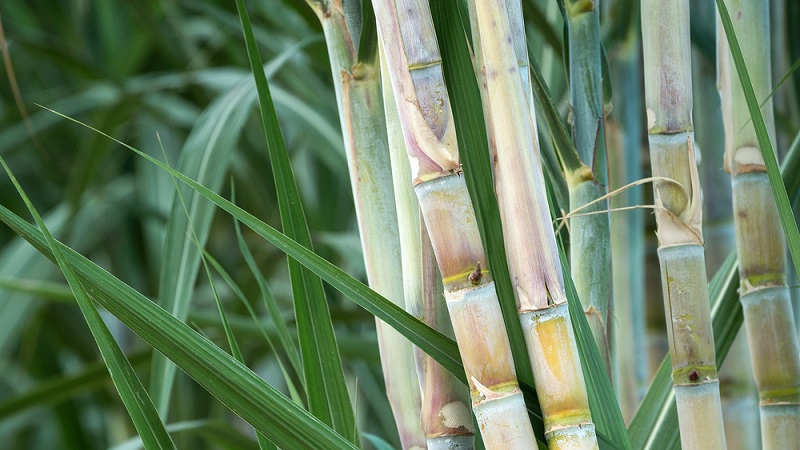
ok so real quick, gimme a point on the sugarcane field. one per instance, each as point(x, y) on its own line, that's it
point(400, 224)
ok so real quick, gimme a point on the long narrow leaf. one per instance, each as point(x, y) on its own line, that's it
point(63, 387)
point(324, 378)
point(236, 386)
point(438, 346)
point(205, 156)
point(134, 396)
point(269, 302)
point(217, 433)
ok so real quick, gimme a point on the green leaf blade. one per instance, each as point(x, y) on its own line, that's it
point(236, 386)
point(328, 397)
point(133, 394)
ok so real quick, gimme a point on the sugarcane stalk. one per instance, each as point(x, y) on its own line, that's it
point(446, 418)
point(360, 103)
point(668, 98)
point(414, 64)
point(590, 236)
point(530, 242)
point(760, 241)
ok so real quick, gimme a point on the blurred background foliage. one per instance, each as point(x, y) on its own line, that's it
point(152, 73)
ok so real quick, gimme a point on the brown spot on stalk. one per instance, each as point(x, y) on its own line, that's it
point(694, 376)
point(475, 277)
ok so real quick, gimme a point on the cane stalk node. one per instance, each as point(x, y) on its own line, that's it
point(773, 397)
point(580, 175)
point(575, 8)
point(495, 392)
point(694, 374)
point(746, 159)
point(476, 275)
point(361, 71)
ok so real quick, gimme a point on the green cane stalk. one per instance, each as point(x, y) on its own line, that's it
point(590, 236)
point(357, 83)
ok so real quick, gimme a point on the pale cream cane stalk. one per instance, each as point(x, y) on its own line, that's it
point(360, 103)
point(414, 63)
point(760, 241)
point(446, 417)
point(668, 97)
point(531, 250)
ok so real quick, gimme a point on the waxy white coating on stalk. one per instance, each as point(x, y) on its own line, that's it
point(451, 443)
point(360, 105)
point(781, 420)
point(700, 417)
point(515, 432)
point(573, 438)
point(760, 240)
point(452, 227)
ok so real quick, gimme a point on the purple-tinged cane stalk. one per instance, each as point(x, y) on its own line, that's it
point(531, 250)
point(414, 64)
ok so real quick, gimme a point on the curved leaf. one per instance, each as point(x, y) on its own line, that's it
point(328, 398)
point(236, 386)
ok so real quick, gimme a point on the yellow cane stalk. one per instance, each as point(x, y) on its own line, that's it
point(530, 243)
point(446, 417)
